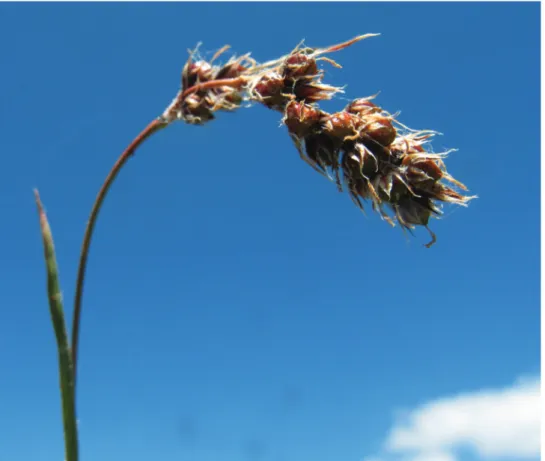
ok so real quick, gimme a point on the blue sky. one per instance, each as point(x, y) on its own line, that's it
point(238, 307)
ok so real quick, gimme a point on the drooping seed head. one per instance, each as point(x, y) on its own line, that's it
point(379, 159)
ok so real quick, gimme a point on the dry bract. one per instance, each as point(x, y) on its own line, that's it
point(363, 149)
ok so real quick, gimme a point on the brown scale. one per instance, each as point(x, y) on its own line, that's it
point(413, 211)
point(356, 185)
point(357, 190)
point(310, 91)
point(381, 130)
point(299, 64)
point(428, 166)
point(302, 119)
point(231, 70)
point(342, 125)
point(196, 72)
point(360, 160)
point(419, 179)
point(355, 178)
point(446, 194)
point(372, 123)
point(362, 107)
point(324, 150)
point(270, 91)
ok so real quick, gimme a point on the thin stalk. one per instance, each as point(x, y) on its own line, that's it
point(66, 369)
point(152, 128)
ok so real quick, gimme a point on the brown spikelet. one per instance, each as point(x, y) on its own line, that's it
point(362, 148)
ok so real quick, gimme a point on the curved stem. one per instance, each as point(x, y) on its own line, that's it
point(153, 127)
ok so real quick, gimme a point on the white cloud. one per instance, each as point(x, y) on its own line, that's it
point(491, 423)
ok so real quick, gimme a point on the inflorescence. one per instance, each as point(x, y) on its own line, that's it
point(362, 148)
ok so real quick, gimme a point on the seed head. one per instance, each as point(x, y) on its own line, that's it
point(362, 148)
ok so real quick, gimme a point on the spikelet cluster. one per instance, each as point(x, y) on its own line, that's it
point(362, 148)
point(195, 103)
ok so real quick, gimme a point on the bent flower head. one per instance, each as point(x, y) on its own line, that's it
point(365, 150)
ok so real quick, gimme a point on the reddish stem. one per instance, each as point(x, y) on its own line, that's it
point(232, 82)
point(153, 127)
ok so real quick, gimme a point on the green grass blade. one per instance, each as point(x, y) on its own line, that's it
point(66, 368)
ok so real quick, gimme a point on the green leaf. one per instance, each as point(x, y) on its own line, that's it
point(66, 369)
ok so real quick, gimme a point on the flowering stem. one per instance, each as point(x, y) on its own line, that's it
point(66, 369)
point(153, 127)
